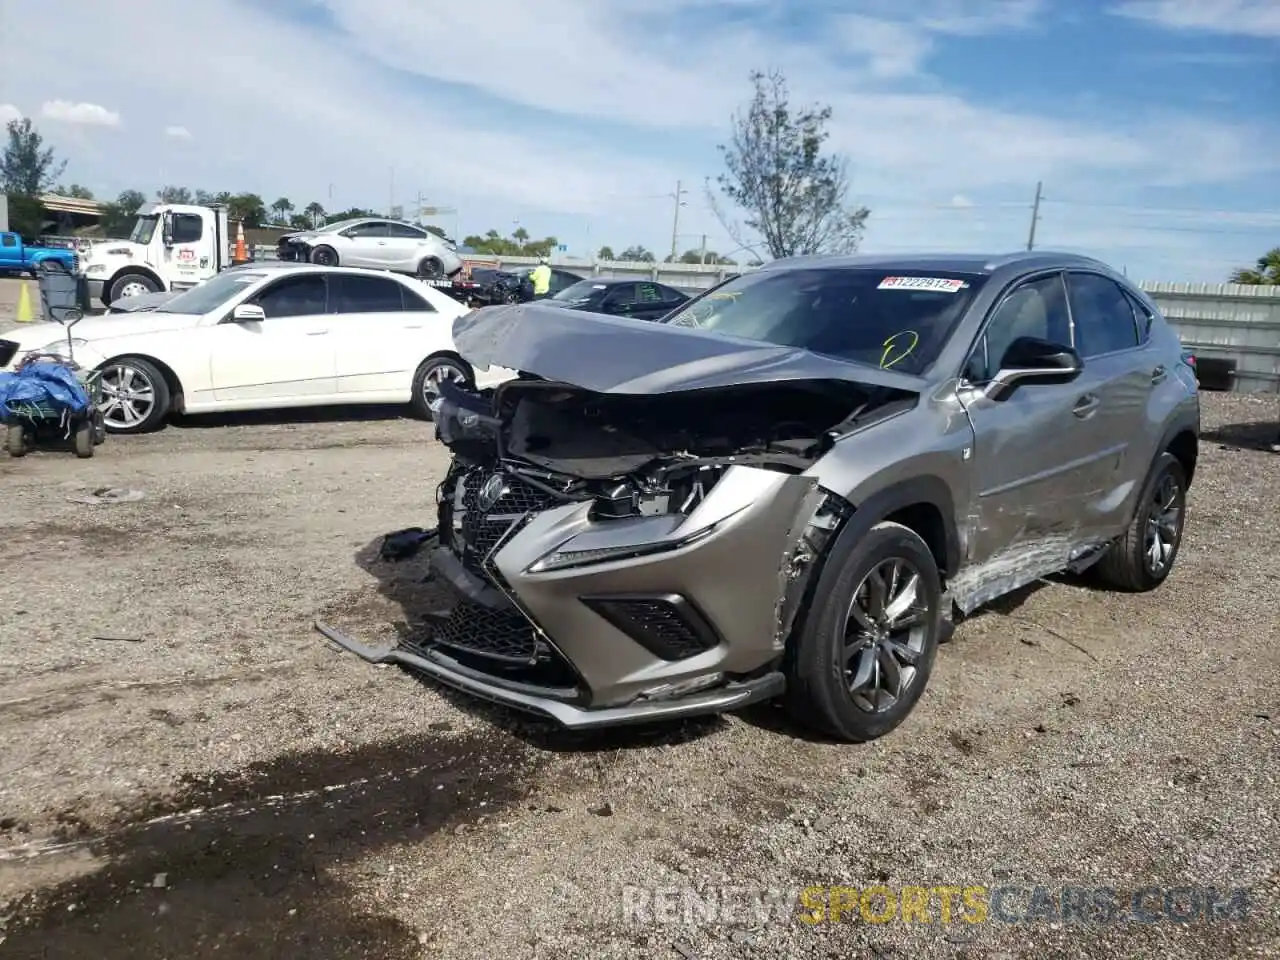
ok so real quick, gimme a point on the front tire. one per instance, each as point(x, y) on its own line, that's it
point(429, 374)
point(865, 652)
point(130, 285)
point(135, 396)
point(1143, 557)
point(324, 256)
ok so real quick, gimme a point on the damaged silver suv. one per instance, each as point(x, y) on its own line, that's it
point(795, 484)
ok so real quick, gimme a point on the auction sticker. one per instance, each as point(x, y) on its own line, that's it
point(937, 284)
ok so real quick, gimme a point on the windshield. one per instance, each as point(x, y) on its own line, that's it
point(144, 229)
point(213, 293)
point(882, 318)
point(580, 292)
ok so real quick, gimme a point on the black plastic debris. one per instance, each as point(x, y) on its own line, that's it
point(403, 544)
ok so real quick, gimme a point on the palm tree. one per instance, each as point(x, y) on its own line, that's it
point(282, 208)
point(1265, 272)
point(315, 213)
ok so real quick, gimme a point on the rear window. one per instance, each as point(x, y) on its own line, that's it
point(881, 318)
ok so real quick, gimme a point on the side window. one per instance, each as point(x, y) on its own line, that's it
point(1037, 308)
point(623, 293)
point(671, 295)
point(293, 297)
point(415, 301)
point(9, 240)
point(648, 293)
point(1103, 315)
point(187, 227)
point(366, 230)
point(357, 294)
point(403, 231)
point(1144, 316)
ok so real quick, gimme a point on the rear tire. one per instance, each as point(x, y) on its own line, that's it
point(431, 370)
point(430, 269)
point(1143, 557)
point(15, 440)
point(854, 683)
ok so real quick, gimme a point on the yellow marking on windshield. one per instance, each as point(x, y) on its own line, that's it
point(885, 362)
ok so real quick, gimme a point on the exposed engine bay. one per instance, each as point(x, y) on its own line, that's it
point(653, 454)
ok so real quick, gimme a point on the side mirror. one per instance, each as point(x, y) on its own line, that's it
point(1032, 360)
point(248, 313)
point(166, 230)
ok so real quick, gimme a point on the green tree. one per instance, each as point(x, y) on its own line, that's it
point(282, 208)
point(637, 254)
point(300, 221)
point(314, 213)
point(171, 194)
point(434, 228)
point(118, 215)
point(793, 194)
point(247, 207)
point(605, 253)
point(75, 191)
point(1264, 272)
point(520, 236)
point(28, 168)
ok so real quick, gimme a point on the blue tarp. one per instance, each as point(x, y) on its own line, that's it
point(53, 384)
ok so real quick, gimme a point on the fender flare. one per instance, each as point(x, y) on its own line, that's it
point(925, 489)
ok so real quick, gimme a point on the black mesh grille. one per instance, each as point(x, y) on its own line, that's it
point(481, 530)
point(666, 626)
point(7, 349)
point(500, 634)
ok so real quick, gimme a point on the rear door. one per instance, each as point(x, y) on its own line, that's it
point(286, 357)
point(1032, 453)
point(404, 246)
point(1121, 370)
point(376, 342)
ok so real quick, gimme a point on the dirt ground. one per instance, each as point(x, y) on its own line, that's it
point(188, 770)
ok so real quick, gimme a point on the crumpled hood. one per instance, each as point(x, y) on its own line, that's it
point(616, 355)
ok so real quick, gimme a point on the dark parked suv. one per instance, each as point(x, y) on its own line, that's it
point(795, 483)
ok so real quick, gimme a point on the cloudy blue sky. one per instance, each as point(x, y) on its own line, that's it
point(1153, 123)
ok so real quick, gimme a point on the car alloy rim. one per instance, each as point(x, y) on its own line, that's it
point(435, 376)
point(134, 289)
point(884, 635)
point(1164, 523)
point(324, 258)
point(128, 396)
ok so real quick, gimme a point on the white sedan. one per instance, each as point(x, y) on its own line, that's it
point(267, 337)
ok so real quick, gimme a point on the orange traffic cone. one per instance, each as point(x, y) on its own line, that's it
point(241, 252)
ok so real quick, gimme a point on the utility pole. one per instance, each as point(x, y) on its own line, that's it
point(391, 194)
point(1035, 215)
point(704, 248)
point(675, 222)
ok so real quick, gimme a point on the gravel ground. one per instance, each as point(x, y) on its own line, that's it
point(188, 770)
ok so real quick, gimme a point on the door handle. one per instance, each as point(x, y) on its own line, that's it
point(316, 333)
point(1086, 405)
point(1159, 374)
point(413, 326)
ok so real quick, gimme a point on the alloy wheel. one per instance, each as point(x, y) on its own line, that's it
point(1164, 524)
point(884, 634)
point(128, 396)
point(435, 376)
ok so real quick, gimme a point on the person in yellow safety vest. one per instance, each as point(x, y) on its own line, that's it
point(540, 277)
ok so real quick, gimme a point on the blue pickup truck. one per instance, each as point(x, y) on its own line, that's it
point(18, 257)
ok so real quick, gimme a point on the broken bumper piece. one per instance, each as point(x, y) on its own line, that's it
point(672, 703)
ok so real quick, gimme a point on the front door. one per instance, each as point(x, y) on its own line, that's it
point(1033, 453)
point(286, 357)
point(186, 260)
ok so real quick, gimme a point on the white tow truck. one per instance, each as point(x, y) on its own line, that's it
point(173, 247)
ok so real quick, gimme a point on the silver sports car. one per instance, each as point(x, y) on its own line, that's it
point(795, 484)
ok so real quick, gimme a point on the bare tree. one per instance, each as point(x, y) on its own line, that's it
point(793, 195)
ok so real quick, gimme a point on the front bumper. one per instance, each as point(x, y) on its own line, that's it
point(702, 626)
